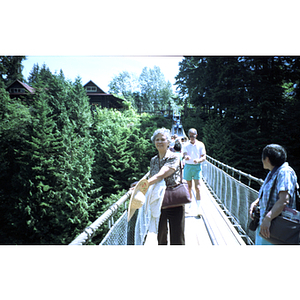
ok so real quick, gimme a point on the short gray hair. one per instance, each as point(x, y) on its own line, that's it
point(193, 130)
point(164, 131)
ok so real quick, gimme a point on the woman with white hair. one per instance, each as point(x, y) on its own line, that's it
point(165, 166)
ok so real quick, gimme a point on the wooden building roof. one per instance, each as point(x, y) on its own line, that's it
point(18, 88)
point(96, 95)
point(99, 98)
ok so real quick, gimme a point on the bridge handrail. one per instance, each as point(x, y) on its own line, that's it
point(240, 173)
point(89, 231)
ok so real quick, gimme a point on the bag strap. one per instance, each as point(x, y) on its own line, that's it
point(297, 196)
point(180, 170)
point(272, 191)
point(180, 166)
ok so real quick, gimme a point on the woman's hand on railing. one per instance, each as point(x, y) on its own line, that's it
point(133, 185)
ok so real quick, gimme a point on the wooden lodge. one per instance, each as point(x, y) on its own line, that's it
point(96, 95)
point(101, 99)
point(19, 89)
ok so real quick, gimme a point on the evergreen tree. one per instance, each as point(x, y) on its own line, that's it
point(218, 140)
point(45, 147)
point(123, 148)
point(248, 95)
point(34, 74)
point(114, 158)
point(15, 121)
point(289, 130)
point(72, 116)
point(10, 69)
point(52, 163)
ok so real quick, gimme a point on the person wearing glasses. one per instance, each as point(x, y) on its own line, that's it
point(194, 154)
point(284, 179)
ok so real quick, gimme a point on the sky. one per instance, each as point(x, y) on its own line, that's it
point(102, 69)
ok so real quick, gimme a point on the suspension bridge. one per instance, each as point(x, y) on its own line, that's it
point(226, 196)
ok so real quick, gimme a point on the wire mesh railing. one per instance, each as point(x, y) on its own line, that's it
point(121, 232)
point(129, 233)
point(234, 196)
point(235, 173)
point(90, 231)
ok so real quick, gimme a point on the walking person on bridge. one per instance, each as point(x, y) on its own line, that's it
point(165, 166)
point(194, 154)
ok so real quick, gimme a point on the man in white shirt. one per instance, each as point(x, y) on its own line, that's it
point(194, 154)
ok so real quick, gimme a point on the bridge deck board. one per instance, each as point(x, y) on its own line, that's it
point(195, 233)
point(221, 230)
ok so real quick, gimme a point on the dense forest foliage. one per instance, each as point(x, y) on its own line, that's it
point(62, 165)
point(10, 69)
point(241, 104)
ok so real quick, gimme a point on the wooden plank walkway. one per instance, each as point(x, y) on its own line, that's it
point(213, 228)
point(221, 230)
